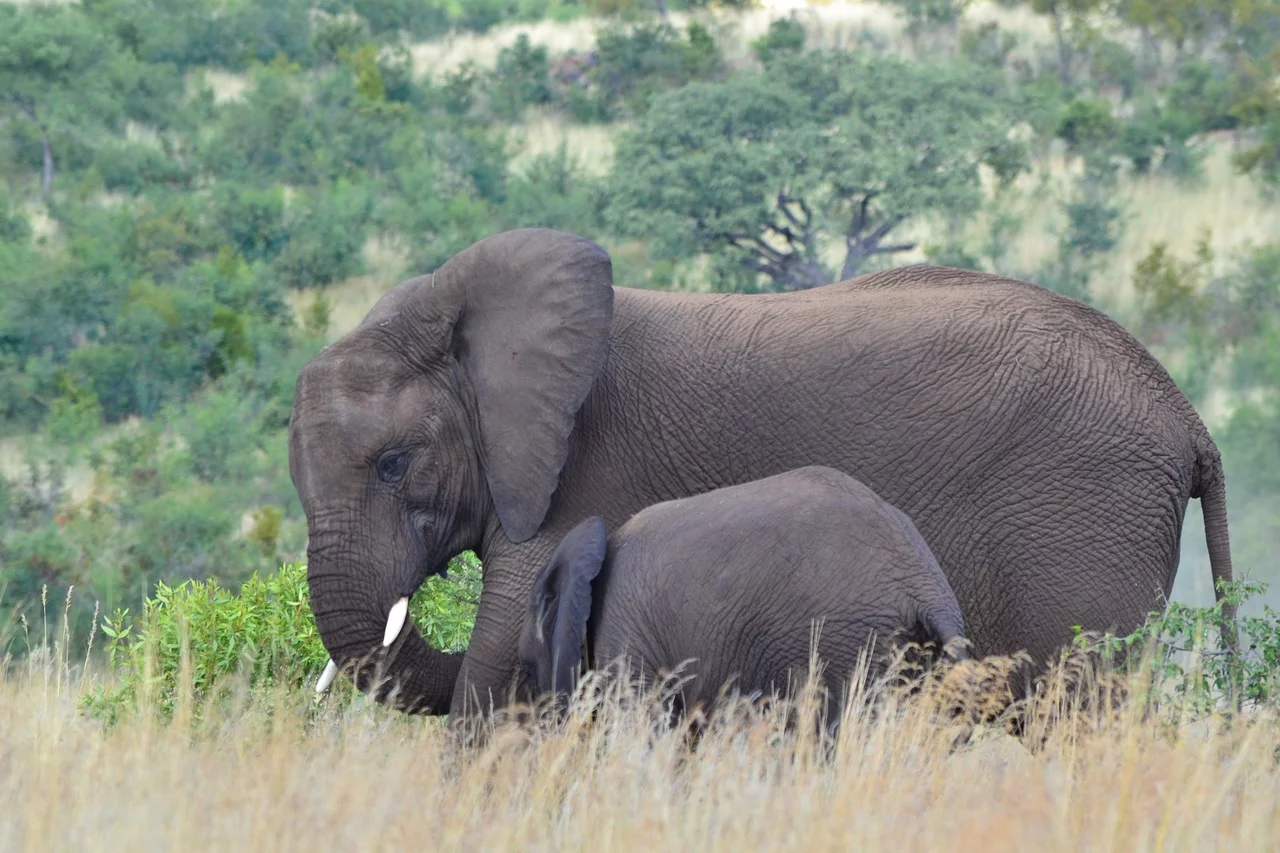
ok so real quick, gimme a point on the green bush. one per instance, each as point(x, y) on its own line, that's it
point(265, 632)
point(1111, 64)
point(1194, 672)
point(419, 18)
point(14, 227)
point(521, 78)
point(1086, 125)
point(784, 36)
point(326, 235)
point(554, 192)
point(637, 63)
point(986, 44)
point(133, 167)
point(923, 15)
point(252, 219)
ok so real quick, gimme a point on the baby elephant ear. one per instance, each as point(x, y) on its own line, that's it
point(561, 601)
point(532, 310)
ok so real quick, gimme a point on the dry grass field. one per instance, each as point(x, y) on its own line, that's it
point(270, 773)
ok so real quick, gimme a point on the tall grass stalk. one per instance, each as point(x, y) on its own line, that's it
point(274, 768)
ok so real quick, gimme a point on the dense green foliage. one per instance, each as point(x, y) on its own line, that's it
point(1181, 650)
point(184, 182)
point(199, 635)
point(761, 168)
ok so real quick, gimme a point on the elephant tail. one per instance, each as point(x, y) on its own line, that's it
point(1212, 488)
point(947, 632)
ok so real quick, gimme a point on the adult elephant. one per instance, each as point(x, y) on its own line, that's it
point(1044, 454)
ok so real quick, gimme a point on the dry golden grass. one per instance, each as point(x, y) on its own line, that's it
point(542, 132)
point(226, 85)
point(829, 24)
point(269, 773)
point(1156, 208)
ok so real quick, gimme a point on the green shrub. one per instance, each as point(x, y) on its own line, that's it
point(1111, 64)
point(480, 16)
point(986, 44)
point(419, 18)
point(784, 36)
point(326, 235)
point(1194, 672)
point(333, 37)
point(636, 64)
point(521, 78)
point(217, 429)
point(134, 167)
point(14, 227)
point(923, 15)
point(553, 192)
point(252, 219)
point(1199, 100)
point(1087, 124)
point(265, 632)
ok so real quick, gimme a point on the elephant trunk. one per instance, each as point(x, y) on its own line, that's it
point(378, 643)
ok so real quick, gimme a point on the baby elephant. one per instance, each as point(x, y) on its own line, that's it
point(734, 579)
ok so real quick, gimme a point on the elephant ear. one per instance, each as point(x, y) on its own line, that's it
point(532, 312)
point(561, 600)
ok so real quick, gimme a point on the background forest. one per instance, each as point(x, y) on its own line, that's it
point(198, 195)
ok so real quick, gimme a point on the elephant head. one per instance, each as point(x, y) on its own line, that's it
point(449, 405)
point(559, 606)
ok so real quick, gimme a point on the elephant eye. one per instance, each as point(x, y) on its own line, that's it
point(391, 467)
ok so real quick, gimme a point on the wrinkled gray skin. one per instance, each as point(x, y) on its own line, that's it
point(734, 579)
point(1043, 454)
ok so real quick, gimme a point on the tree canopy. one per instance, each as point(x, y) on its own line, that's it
point(763, 170)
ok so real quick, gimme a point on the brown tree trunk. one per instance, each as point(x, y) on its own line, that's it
point(1064, 50)
point(46, 180)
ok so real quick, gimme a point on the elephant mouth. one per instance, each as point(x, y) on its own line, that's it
point(397, 618)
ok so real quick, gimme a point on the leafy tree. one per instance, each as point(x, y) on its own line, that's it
point(765, 169)
point(1071, 29)
point(784, 36)
point(1258, 109)
point(521, 78)
point(252, 219)
point(421, 18)
point(922, 15)
point(14, 227)
point(552, 192)
point(635, 64)
point(634, 8)
point(192, 33)
point(987, 44)
point(56, 76)
point(1093, 227)
point(326, 235)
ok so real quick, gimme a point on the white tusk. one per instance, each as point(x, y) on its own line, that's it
point(395, 621)
point(327, 677)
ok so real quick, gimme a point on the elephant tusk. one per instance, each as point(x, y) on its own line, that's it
point(395, 621)
point(327, 677)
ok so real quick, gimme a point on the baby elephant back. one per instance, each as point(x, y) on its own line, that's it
point(739, 576)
